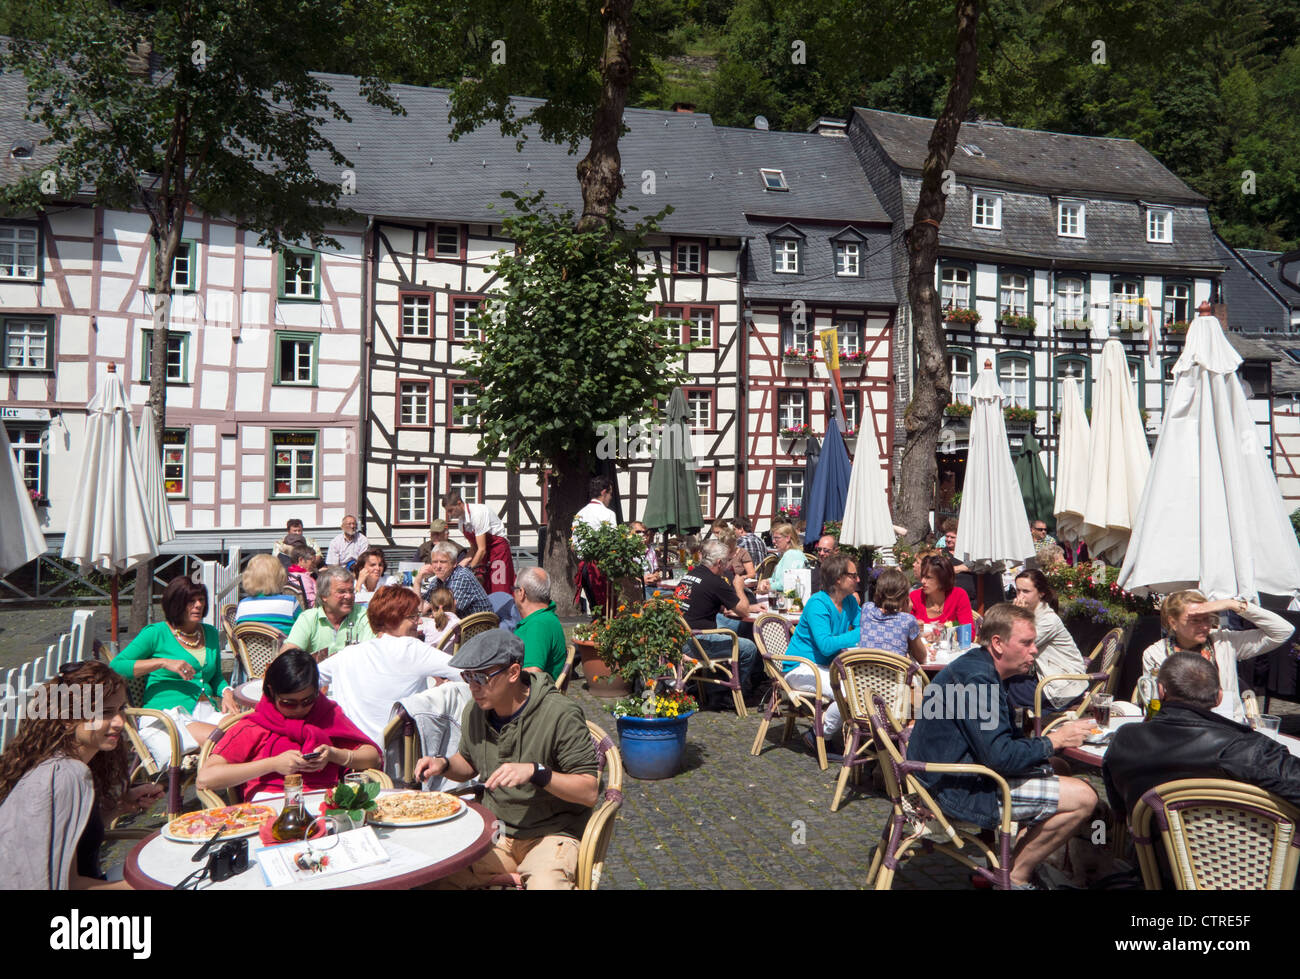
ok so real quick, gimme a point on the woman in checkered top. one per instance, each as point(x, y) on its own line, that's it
point(884, 623)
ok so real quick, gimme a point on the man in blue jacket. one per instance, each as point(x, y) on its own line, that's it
point(965, 718)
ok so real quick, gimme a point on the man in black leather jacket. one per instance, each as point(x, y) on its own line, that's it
point(1187, 740)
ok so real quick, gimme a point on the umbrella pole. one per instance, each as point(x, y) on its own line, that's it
point(112, 594)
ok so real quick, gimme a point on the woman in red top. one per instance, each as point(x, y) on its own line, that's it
point(293, 729)
point(938, 599)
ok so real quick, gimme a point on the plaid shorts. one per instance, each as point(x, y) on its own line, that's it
point(1034, 798)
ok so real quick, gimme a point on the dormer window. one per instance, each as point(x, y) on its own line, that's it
point(1070, 219)
point(847, 258)
point(773, 179)
point(1160, 225)
point(986, 211)
point(785, 255)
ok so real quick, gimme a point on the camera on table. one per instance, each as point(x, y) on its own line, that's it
point(228, 860)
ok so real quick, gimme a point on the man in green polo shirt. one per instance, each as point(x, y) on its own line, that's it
point(540, 629)
point(336, 622)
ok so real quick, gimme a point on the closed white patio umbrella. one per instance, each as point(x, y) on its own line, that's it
point(1073, 447)
point(155, 489)
point(21, 539)
point(993, 528)
point(1118, 460)
point(867, 522)
point(1211, 515)
point(108, 520)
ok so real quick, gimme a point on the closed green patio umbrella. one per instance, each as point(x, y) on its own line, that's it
point(673, 501)
point(1034, 487)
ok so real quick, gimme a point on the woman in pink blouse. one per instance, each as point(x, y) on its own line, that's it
point(938, 599)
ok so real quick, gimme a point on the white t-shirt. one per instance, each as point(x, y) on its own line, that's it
point(480, 518)
point(594, 514)
point(368, 678)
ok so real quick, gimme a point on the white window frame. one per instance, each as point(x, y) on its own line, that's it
point(1009, 292)
point(787, 402)
point(417, 315)
point(1125, 305)
point(1170, 303)
point(463, 395)
point(187, 252)
point(673, 315)
point(413, 404)
point(801, 337)
point(1017, 385)
point(848, 258)
point(704, 489)
point(689, 265)
point(1069, 304)
point(412, 498)
point(702, 322)
point(989, 208)
point(462, 330)
point(950, 287)
point(773, 179)
point(176, 465)
point(848, 331)
point(293, 285)
point(789, 488)
point(1160, 225)
point(852, 409)
point(1071, 217)
point(960, 390)
point(297, 455)
point(785, 256)
point(30, 445)
point(466, 484)
point(178, 366)
point(24, 330)
point(295, 362)
point(439, 241)
point(700, 422)
point(14, 241)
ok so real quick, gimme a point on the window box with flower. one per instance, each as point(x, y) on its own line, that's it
point(1177, 327)
point(852, 360)
point(38, 498)
point(963, 317)
point(1015, 323)
point(788, 513)
point(795, 432)
point(1073, 325)
point(957, 410)
point(1019, 416)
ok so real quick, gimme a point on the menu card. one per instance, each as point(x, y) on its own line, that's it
point(327, 856)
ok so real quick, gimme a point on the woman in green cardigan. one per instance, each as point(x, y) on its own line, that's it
point(182, 658)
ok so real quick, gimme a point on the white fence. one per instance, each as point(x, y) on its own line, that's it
point(223, 584)
point(72, 646)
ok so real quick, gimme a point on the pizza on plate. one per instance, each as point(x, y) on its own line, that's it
point(415, 807)
point(243, 819)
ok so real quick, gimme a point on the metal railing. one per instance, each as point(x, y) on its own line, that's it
point(74, 645)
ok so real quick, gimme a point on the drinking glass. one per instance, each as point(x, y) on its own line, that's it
point(1101, 709)
point(1270, 724)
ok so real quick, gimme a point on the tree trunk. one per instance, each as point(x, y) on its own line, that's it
point(598, 173)
point(932, 389)
point(566, 495)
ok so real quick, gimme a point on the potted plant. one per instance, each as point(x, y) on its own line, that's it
point(616, 551)
point(1020, 416)
point(1016, 323)
point(965, 317)
point(793, 355)
point(957, 410)
point(38, 498)
point(642, 643)
point(593, 667)
point(789, 513)
point(795, 432)
point(652, 731)
point(855, 359)
point(1092, 603)
point(1178, 327)
point(353, 801)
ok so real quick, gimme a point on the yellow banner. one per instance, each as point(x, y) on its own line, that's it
point(831, 348)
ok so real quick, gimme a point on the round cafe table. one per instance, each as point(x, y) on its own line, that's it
point(437, 851)
point(247, 694)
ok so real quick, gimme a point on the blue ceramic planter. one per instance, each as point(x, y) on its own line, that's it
point(653, 747)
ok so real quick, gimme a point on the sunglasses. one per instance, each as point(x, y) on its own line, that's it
point(479, 678)
point(295, 704)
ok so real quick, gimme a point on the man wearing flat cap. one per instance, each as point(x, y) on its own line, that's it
point(437, 534)
point(531, 746)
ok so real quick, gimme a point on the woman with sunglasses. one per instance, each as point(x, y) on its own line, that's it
point(62, 780)
point(294, 729)
point(792, 558)
point(829, 624)
point(368, 678)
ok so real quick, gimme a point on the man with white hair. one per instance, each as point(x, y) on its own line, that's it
point(540, 629)
point(337, 621)
point(704, 591)
point(443, 572)
point(347, 546)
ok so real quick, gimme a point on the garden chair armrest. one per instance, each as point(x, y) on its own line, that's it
point(949, 768)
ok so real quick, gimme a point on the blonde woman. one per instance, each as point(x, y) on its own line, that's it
point(791, 557)
point(1191, 625)
point(265, 582)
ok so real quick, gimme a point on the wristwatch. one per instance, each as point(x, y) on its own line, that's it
point(541, 775)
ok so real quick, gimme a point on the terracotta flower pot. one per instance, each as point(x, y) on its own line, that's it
point(600, 681)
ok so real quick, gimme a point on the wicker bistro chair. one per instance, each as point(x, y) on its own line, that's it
point(698, 663)
point(472, 625)
point(857, 675)
point(916, 820)
point(1102, 676)
point(767, 566)
point(562, 684)
point(255, 644)
point(1218, 835)
point(772, 636)
point(228, 612)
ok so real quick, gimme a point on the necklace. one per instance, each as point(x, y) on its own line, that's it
point(190, 640)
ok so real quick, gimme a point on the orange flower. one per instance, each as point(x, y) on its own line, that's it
point(622, 608)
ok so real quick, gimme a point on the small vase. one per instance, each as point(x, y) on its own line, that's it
point(653, 747)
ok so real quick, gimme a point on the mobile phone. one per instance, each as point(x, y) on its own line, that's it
point(316, 753)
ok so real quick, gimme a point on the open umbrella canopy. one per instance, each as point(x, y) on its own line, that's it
point(1034, 487)
point(1073, 448)
point(1211, 515)
point(830, 486)
point(21, 539)
point(155, 487)
point(673, 501)
point(992, 525)
point(108, 520)
point(867, 522)
point(1118, 461)
point(812, 455)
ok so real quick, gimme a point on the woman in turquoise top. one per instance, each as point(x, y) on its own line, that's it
point(792, 558)
point(829, 624)
point(182, 659)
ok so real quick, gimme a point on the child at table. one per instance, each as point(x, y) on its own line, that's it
point(442, 618)
point(884, 623)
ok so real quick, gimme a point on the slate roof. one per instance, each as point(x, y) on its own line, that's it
point(1267, 266)
point(1031, 158)
point(1254, 303)
point(828, 194)
point(14, 129)
point(395, 177)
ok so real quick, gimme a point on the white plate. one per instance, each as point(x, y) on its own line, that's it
point(372, 821)
point(250, 831)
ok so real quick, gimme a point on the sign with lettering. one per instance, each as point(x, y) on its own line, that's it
point(24, 414)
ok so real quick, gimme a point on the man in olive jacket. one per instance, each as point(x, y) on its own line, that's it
point(1186, 739)
point(532, 746)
